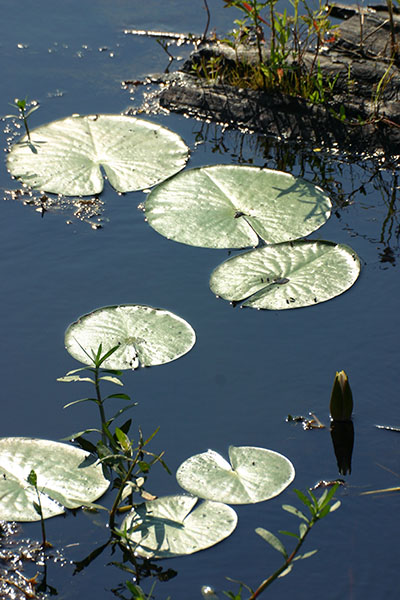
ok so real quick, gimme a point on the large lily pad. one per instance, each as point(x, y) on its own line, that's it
point(288, 275)
point(66, 156)
point(145, 335)
point(65, 478)
point(176, 525)
point(231, 206)
point(254, 475)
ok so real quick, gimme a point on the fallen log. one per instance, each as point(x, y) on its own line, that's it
point(362, 115)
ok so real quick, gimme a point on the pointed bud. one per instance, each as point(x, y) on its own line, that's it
point(341, 406)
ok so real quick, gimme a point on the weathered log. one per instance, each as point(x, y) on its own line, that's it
point(363, 112)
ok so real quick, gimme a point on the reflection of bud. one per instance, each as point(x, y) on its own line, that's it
point(342, 430)
point(341, 405)
point(342, 433)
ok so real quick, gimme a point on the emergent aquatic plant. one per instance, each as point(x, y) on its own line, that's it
point(21, 105)
point(318, 509)
point(288, 60)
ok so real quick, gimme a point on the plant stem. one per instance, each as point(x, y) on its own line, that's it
point(100, 405)
point(271, 578)
point(120, 490)
point(203, 39)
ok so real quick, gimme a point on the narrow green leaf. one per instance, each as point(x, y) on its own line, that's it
point(303, 498)
point(75, 378)
point(111, 379)
point(302, 529)
point(286, 571)
point(32, 110)
point(76, 371)
point(122, 410)
point(295, 511)
point(321, 500)
point(85, 445)
point(107, 354)
point(37, 508)
point(289, 533)
point(305, 555)
point(336, 505)
point(329, 495)
point(324, 511)
point(123, 439)
point(126, 426)
point(120, 396)
point(272, 540)
point(81, 400)
point(73, 436)
point(314, 499)
point(151, 436)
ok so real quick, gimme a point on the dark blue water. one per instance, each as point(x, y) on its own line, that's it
point(249, 369)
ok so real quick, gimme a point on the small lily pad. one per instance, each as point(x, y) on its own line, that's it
point(146, 336)
point(254, 475)
point(232, 206)
point(66, 156)
point(177, 525)
point(288, 275)
point(66, 477)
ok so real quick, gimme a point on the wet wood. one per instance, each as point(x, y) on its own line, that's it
point(366, 91)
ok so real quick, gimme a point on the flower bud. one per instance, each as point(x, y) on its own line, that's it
point(341, 405)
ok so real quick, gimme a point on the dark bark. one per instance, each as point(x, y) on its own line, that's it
point(362, 58)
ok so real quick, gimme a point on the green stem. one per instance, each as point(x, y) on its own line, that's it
point(120, 490)
point(26, 126)
point(100, 405)
point(271, 578)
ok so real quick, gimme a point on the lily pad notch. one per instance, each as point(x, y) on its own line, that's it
point(253, 475)
point(289, 275)
point(235, 206)
point(65, 156)
point(177, 525)
point(146, 336)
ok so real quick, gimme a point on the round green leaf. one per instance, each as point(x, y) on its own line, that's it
point(231, 206)
point(66, 477)
point(145, 335)
point(176, 525)
point(254, 475)
point(288, 275)
point(66, 156)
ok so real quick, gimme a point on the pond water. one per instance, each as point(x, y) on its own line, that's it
point(249, 369)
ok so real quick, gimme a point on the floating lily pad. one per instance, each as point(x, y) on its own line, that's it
point(146, 336)
point(176, 525)
point(231, 206)
point(254, 475)
point(288, 275)
point(66, 156)
point(65, 478)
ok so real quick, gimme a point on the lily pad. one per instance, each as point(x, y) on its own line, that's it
point(254, 475)
point(288, 275)
point(65, 478)
point(176, 525)
point(232, 206)
point(146, 336)
point(66, 156)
